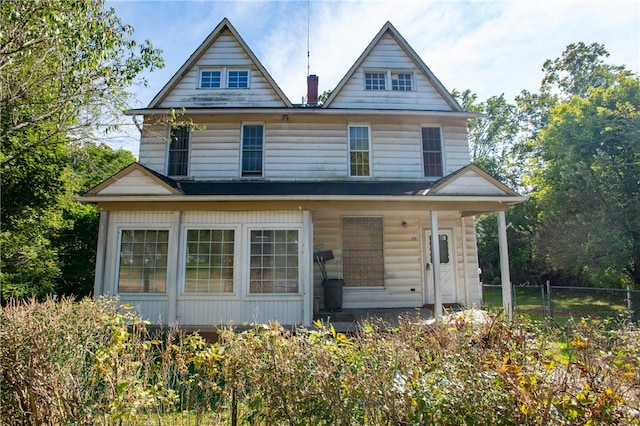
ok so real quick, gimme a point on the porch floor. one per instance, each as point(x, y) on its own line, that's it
point(349, 320)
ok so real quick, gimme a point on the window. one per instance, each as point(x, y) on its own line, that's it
point(359, 164)
point(444, 248)
point(432, 151)
point(274, 261)
point(210, 79)
point(178, 152)
point(401, 82)
point(238, 79)
point(252, 145)
point(209, 261)
point(362, 251)
point(374, 80)
point(143, 261)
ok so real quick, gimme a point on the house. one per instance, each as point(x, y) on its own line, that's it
point(218, 222)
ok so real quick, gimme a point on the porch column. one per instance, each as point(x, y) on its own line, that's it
point(504, 266)
point(307, 268)
point(435, 261)
point(101, 250)
point(172, 269)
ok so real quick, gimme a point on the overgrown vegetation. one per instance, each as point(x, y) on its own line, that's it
point(92, 362)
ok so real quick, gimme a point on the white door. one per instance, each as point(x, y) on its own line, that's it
point(447, 266)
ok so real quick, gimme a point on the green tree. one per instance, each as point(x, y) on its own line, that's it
point(65, 66)
point(588, 185)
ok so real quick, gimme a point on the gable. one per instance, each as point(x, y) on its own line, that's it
point(390, 54)
point(222, 51)
point(135, 179)
point(471, 180)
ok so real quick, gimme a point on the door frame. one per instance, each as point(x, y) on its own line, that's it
point(427, 274)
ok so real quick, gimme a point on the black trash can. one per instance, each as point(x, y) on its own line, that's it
point(333, 294)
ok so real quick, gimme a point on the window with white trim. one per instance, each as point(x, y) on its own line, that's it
point(252, 149)
point(395, 80)
point(431, 151)
point(237, 79)
point(178, 162)
point(359, 151)
point(210, 79)
point(209, 261)
point(142, 267)
point(274, 257)
point(362, 251)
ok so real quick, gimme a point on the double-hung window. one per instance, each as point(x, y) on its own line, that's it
point(362, 251)
point(432, 151)
point(143, 261)
point(274, 261)
point(359, 151)
point(209, 261)
point(252, 149)
point(178, 163)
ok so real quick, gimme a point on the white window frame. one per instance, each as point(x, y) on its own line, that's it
point(369, 151)
point(442, 149)
point(264, 143)
point(237, 261)
point(210, 69)
point(389, 79)
point(247, 242)
point(224, 77)
point(118, 255)
point(167, 155)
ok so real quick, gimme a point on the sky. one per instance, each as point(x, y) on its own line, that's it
point(489, 47)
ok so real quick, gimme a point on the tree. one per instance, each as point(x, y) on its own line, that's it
point(65, 66)
point(588, 185)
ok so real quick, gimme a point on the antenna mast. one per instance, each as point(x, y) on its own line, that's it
point(308, 35)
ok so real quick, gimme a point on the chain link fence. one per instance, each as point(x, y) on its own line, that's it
point(560, 303)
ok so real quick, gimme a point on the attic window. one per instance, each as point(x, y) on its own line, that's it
point(398, 81)
point(238, 79)
point(210, 79)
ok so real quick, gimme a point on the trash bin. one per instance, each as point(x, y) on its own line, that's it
point(332, 294)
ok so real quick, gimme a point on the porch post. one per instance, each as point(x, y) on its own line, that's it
point(101, 250)
point(307, 268)
point(504, 265)
point(172, 269)
point(435, 260)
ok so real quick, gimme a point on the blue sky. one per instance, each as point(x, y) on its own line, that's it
point(489, 47)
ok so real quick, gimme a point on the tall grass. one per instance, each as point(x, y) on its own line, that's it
point(92, 362)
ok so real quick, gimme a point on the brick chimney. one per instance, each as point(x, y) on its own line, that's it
point(312, 90)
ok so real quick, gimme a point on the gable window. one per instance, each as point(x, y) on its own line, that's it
point(252, 147)
point(374, 80)
point(238, 79)
point(209, 261)
point(143, 261)
point(362, 251)
point(210, 79)
point(359, 153)
point(401, 82)
point(178, 163)
point(432, 151)
point(274, 261)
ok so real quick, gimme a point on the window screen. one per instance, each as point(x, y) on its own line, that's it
point(432, 151)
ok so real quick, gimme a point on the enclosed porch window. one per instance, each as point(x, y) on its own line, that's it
point(362, 251)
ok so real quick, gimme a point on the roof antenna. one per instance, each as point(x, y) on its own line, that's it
point(308, 36)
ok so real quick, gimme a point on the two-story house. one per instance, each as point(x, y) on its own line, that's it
point(219, 222)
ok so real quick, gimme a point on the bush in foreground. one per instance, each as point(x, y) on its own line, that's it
point(92, 362)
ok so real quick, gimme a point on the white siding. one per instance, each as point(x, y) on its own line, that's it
point(470, 183)
point(225, 51)
point(302, 149)
point(136, 182)
point(388, 55)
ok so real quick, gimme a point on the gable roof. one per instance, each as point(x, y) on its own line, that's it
point(206, 44)
point(136, 179)
point(471, 180)
point(388, 28)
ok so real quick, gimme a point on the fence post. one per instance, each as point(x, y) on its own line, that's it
point(550, 301)
point(515, 296)
point(544, 305)
point(632, 314)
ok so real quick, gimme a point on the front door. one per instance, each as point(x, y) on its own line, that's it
point(447, 267)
